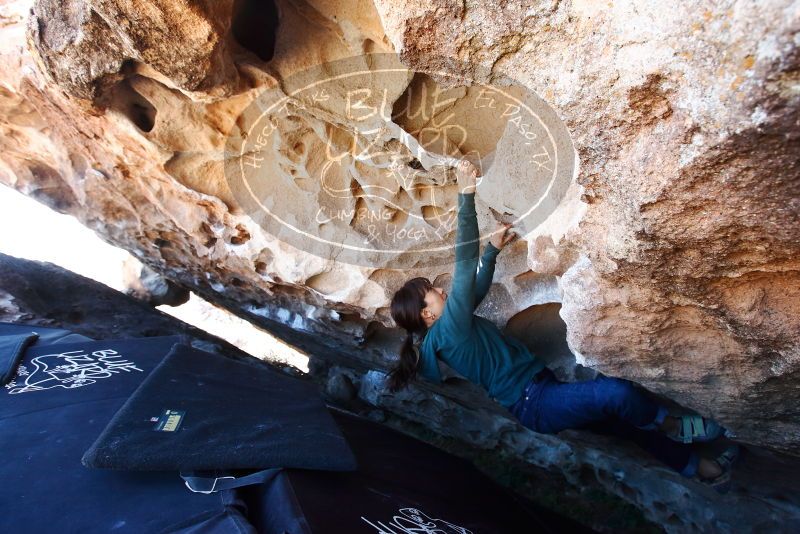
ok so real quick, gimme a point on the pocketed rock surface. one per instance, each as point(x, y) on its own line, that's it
point(673, 255)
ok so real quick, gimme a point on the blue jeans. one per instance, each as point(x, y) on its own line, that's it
point(605, 405)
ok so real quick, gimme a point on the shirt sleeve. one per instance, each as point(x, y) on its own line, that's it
point(429, 366)
point(459, 306)
point(483, 280)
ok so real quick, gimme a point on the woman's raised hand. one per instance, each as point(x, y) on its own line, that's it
point(502, 235)
point(466, 173)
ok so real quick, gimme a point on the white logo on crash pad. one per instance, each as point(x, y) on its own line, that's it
point(69, 370)
point(414, 520)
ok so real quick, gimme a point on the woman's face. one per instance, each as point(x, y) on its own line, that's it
point(434, 300)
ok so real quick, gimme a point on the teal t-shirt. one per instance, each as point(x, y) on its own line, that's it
point(470, 344)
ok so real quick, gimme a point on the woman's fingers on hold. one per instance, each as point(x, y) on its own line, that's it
point(467, 166)
point(511, 236)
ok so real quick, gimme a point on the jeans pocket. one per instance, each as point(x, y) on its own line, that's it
point(527, 407)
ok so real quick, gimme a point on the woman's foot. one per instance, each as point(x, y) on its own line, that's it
point(708, 469)
point(717, 472)
point(691, 428)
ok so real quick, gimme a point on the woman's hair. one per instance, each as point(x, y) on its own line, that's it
point(406, 308)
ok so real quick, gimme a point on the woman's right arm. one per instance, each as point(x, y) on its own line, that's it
point(483, 280)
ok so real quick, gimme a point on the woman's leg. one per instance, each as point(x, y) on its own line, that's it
point(611, 406)
point(676, 455)
point(564, 405)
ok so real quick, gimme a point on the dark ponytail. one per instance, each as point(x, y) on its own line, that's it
point(406, 308)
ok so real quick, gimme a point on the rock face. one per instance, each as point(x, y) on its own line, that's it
point(674, 253)
point(584, 470)
point(85, 46)
point(143, 283)
point(682, 273)
point(43, 294)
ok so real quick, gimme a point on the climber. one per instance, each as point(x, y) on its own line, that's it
point(446, 325)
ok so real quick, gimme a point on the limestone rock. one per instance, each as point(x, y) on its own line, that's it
point(587, 460)
point(682, 272)
point(43, 294)
point(145, 284)
point(674, 253)
point(88, 45)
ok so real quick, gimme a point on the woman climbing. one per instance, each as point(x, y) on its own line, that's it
point(473, 346)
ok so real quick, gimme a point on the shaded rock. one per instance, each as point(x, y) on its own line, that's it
point(762, 497)
point(85, 45)
point(340, 388)
point(681, 272)
point(543, 331)
point(673, 253)
point(47, 295)
point(44, 294)
point(145, 284)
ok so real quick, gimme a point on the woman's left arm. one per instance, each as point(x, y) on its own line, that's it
point(456, 320)
point(483, 280)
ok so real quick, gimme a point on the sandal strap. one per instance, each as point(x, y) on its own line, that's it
point(727, 457)
point(692, 426)
point(721, 483)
